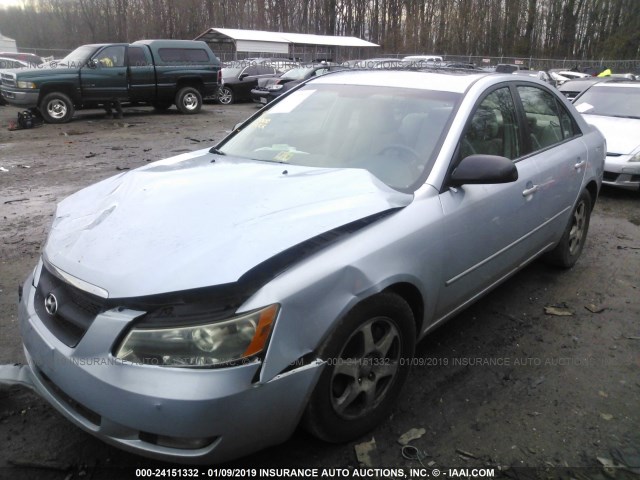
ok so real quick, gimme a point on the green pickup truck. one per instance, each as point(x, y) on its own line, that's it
point(156, 72)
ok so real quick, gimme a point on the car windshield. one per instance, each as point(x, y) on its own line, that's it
point(619, 101)
point(78, 57)
point(394, 133)
point(297, 73)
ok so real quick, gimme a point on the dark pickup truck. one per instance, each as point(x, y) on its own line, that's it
point(156, 72)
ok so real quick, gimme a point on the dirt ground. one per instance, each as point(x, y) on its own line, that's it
point(501, 385)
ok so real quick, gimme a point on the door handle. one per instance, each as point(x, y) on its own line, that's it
point(529, 191)
point(581, 163)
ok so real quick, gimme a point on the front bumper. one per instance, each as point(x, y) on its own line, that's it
point(619, 172)
point(143, 409)
point(19, 98)
point(260, 96)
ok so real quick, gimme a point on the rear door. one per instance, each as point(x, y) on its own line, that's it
point(554, 141)
point(105, 76)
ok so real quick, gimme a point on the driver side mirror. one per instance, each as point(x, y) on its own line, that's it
point(92, 63)
point(243, 76)
point(483, 169)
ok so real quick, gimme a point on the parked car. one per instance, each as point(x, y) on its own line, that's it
point(574, 88)
point(509, 67)
point(241, 77)
point(157, 72)
point(197, 308)
point(614, 108)
point(29, 58)
point(423, 58)
point(539, 74)
point(274, 87)
point(569, 74)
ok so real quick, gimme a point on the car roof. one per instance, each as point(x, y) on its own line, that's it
point(456, 81)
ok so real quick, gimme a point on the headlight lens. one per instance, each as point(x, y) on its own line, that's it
point(635, 157)
point(274, 87)
point(207, 345)
point(22, 84)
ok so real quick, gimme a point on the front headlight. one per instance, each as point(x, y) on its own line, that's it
point(274, 87)
point(206, 345)
point(22, 84)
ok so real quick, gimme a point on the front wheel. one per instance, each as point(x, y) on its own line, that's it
point(366, 368)
point(189, 100)
point(56, 108)
point(226, 96)
point(567, 252)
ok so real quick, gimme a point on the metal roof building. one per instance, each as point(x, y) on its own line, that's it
point(233, 44)
point(7, 44)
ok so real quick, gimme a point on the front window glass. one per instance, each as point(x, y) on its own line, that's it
point(494, 128)
point(391, 132)
point(618, 101)
point(111, 57)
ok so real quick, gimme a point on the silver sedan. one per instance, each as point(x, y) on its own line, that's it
point(202, 307)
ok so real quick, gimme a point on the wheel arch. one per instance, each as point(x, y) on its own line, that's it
point(410, 294)
point(195, 82)
point(65, 88)
point(592, 188)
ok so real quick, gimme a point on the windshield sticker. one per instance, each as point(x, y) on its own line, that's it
point(292, 101)
point(262, 122)
point(283, 156)
point(584, 107)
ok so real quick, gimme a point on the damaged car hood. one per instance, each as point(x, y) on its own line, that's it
point(621, 133)
point(201, 219)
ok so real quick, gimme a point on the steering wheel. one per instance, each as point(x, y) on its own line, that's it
point(467, 144)
point(413, 160)
point(398, 147)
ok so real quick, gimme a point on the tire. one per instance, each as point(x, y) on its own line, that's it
point(161, 106)
point(226, 96)
point(189, 100)
point(361, 381)
point(567, 252)
point(56, 108)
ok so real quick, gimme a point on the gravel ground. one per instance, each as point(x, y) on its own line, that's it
point(501, 385)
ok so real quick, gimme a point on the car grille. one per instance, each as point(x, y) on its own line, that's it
point(76, 311)
point(8, 80)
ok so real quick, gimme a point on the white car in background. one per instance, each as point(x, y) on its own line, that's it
point(614, 108)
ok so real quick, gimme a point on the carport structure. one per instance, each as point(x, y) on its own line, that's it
point(236, 44)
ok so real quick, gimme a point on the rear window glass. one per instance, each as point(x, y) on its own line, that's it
point(137, 57)
point(183, 55)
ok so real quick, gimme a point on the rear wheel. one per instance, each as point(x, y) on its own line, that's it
point(567, 252)
point(365, 369)
point(189, 100)
point(56, 108)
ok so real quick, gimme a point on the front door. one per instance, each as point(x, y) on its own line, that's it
point(488, 227)
point(105, 76)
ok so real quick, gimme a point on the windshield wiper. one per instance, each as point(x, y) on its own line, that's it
point(216, 151)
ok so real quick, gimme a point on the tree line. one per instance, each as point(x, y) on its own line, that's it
point(575, 29)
